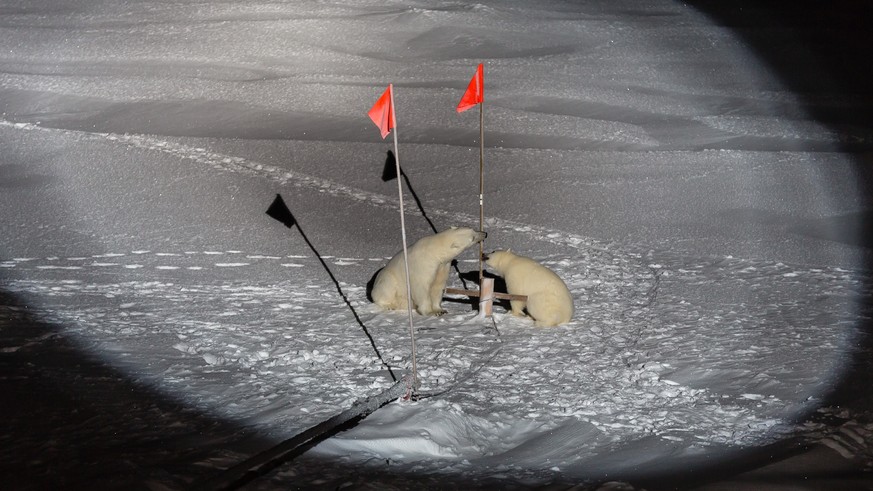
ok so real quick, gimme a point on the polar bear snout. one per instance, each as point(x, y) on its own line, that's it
point(493, 257)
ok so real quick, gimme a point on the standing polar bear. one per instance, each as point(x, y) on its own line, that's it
point(429, 262)
point(548, 300)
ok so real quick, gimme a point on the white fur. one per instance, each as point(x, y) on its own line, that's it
point(548, 300)
point(429, 261)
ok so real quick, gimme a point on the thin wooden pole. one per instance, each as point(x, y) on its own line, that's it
point(413, 387)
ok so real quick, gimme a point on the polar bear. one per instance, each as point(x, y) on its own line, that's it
point(429, 262)
point(548, 300)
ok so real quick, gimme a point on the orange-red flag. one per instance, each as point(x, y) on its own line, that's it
point(382, 112)
point(475, 91)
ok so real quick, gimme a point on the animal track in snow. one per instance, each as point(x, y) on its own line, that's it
point(171, 261)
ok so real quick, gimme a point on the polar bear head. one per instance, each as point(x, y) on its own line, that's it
point(444, 246)
point(499, 260)
point(463, 237)
point(448, 244)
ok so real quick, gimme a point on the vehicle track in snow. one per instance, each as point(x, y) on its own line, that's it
point(229, 163)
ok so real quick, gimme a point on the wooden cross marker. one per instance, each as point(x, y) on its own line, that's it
point(486, 296)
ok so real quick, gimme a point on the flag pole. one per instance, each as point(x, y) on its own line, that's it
point(413, 384)
point(474, 95)
point(481, 188)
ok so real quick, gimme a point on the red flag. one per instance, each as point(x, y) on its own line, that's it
point(475, 91)
point(382, 112)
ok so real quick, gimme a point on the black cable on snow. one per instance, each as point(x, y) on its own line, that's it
point(264, 462)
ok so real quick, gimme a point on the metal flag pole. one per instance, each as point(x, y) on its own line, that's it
point(413, 385)
point(481, 187)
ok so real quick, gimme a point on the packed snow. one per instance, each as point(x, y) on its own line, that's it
point(158, 326)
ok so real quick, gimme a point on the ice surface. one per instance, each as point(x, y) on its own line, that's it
point(705, 221)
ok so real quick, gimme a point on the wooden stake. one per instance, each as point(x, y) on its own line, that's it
point(486, 298)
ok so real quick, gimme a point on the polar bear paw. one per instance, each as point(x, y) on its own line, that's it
point(437, 312)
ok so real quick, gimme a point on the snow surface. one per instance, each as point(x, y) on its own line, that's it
point(157, 326)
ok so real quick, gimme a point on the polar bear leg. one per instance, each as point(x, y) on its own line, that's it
point(517, 307)
point(437, 287)
point(421, 297)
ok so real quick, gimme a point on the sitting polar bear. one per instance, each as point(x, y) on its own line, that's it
point(548, 300)
point(429, 262)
